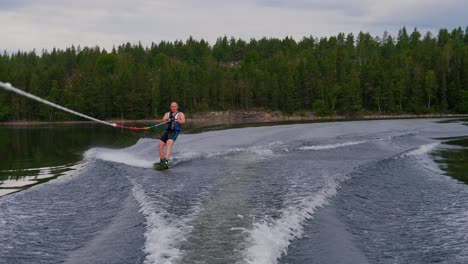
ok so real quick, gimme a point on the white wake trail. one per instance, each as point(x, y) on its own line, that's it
point(269, 239)
point(422, 150)
point(332, 146)
point(164, 234)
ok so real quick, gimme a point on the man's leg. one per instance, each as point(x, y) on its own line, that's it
point(161, 149)
point(169, 145)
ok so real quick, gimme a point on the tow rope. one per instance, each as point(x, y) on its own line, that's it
point(9, 87)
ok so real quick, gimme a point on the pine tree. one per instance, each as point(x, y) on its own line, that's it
point(340, 74)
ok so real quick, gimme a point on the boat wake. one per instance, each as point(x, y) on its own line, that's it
point(252, 195)
point(164, 233)
point(119, 156)
point(422, 150)
point(332, 146)
point(270, 238)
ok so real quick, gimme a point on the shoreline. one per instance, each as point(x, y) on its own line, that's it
point(237, 117)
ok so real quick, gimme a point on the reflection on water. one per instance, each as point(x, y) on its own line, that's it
point(454, 160)
point(36, 154)
point(17, 180)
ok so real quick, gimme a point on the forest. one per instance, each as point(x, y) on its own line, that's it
point(345, 74)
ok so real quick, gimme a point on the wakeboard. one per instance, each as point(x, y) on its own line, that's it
point(160, 166)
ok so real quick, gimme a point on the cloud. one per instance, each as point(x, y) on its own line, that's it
point(42, 24)
point(430, 13)
point(12, 4)
point(339, 6)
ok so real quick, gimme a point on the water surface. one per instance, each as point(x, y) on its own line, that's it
point(36, 154)
point(339, 192)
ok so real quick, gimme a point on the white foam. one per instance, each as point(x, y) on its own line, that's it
point(422, 150)
point(190, 155)
point(119, 156)
point(259, 152)
point(270, 239)
point(164, 234)
point(144, 153)
point(420, 154)
point(332, 146)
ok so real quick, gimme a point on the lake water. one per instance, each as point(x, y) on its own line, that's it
point(338, 192)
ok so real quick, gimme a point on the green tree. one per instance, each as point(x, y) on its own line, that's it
point(344, 74)
point(431, 87)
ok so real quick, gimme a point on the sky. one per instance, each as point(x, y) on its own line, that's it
point(44, 24)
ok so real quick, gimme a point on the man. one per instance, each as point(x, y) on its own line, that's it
point(174, 120)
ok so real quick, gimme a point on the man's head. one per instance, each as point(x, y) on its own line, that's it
point(174, 107)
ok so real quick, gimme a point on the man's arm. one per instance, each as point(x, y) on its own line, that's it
point(181, 118)
point(166, 117)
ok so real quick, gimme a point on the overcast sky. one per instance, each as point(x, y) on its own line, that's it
point(38, 24)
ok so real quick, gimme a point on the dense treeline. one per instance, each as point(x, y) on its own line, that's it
point(343, 74)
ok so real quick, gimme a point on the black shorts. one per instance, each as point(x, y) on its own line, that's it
point(169, 134)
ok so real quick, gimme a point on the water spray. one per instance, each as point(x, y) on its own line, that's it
point(11, 88)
